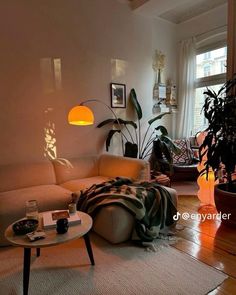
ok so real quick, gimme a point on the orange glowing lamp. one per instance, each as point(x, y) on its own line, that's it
point(81, 115)
point(206, 187)
point(206, 184)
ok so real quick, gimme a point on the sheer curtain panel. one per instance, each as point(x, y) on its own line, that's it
point(187, 73)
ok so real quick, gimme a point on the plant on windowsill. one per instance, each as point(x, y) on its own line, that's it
point(219, 144)
point(136, 145)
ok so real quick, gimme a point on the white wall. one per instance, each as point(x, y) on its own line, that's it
point(88, 36)
point(164, 39)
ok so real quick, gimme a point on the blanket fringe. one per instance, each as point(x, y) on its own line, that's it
point(163, 241)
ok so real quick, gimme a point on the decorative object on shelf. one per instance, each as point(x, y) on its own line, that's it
point(171, 94)
point(159, 89)
point(62, 226)
point(118, 95)
point(220, 145)
point(160, 108)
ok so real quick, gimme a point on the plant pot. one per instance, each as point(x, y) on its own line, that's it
point(225, 203)
point(131, 150)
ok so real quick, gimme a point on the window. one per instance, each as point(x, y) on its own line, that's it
point(207, 70)
point(223, 66)
point(207, 55)
point(211, 65)
point(210, 72)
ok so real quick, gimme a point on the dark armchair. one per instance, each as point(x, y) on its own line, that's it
point(184, 164)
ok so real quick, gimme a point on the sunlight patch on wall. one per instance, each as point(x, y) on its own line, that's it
point(50, 69)
point(57, 73)
point(118, 69)
point(50, 147)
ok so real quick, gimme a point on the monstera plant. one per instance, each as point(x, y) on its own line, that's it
point(138, 145)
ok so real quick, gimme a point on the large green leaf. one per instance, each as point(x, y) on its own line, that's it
point(105, 122)
point(162, 129)
point(157, 118)
point(115, 121)
point(136, 104)
point(172, 146)
point(126, 122)
point(109, 137)
point(166, 151)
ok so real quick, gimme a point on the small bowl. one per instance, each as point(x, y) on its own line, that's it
point(25, 226)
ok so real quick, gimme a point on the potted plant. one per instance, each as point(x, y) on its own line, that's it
point(137, 145)
point(219, 145)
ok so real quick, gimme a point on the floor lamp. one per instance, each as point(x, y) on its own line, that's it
point(206, 184)
point(82, 115)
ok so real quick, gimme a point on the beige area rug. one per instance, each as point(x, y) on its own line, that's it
point(123, 269)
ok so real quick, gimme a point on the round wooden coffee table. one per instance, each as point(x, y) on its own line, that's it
point(52, 239)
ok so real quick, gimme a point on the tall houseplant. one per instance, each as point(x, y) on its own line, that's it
point(219, 145)
point(137, 145)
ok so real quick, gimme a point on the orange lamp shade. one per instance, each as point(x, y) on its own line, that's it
point(80, 115)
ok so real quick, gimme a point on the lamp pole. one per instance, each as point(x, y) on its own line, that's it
point(114, 114)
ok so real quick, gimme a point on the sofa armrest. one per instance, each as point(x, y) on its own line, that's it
point(113, 166)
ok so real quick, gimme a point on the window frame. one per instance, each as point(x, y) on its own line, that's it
point(213, 79)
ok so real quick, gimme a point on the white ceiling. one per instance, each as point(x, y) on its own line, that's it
point(175, 11)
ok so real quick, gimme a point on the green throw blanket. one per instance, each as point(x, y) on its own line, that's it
point(150, 204)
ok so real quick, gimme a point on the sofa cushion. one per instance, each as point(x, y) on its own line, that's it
point(113, 166)
point(48, 197)
point(75, 168)
point(12, 203)
point(83, 183)
point(25, 175)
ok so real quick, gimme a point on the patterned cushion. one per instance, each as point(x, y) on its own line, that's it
point(185, 157)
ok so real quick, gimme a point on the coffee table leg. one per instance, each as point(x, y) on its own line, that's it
point(26, 271)
point(89, 248)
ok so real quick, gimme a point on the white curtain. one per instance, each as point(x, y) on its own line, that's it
point(186, 93)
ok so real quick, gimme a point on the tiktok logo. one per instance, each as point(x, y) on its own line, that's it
point(176, 216)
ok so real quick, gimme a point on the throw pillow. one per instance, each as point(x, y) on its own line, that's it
point(186, 156)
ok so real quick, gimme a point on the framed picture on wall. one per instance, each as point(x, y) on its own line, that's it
point(118, 95)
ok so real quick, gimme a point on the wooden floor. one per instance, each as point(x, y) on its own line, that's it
point(209, 242)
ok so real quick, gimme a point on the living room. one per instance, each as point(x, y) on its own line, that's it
point(58, 54)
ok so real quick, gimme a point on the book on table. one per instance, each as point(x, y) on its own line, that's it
point(50, 218)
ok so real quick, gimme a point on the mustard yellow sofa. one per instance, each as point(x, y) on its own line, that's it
point(51, 184)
